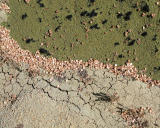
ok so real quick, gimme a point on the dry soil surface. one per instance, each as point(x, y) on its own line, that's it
point(80, 99)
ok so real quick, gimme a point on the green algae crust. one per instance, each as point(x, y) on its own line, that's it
point(90, 29)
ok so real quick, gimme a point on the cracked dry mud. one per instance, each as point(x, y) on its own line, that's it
point(79, 99)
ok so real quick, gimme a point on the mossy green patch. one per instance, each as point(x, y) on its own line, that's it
point(100, 29)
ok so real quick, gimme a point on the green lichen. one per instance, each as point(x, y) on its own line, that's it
point(88, 29)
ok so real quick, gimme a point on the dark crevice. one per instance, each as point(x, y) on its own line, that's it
point(121, 56)
point(69, 17)
point(40, 20)
point(95, 26)
point(144, 7)
point(131, 43)
point(127, 16)
point(29, 40)
point(119, 15)
point(104, 21)
point(24, 16)
point(44, 51)
point(116, 43)
point(92, 1)
point(144, 34)
point(40, 4)
point(91, 14)
point(154, 37)
point(57, 28)
point(102, 97)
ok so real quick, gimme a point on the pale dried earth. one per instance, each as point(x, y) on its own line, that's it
point(79, 99)
point(3, 16)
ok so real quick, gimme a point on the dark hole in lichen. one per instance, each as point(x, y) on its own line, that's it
point(120, 56)
point(131, 43)
point(144, 34)
point(154, 37)
point(95, 26)
point(149, 16)
point(69, 17)
point(38, 1)
point(120, 0)
point(40, 20)
point(44, 51)
point(127, 16)
point(156, 68)
point(57, 28)
point(91, 14)
point(92, 1)
point(116, 43)
point(84, 13)
point(40, 4)
point(144, 7)
point(24, 16)
point(156, 49)
point(104, 21)
point(29, 40)
point(119, 15)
